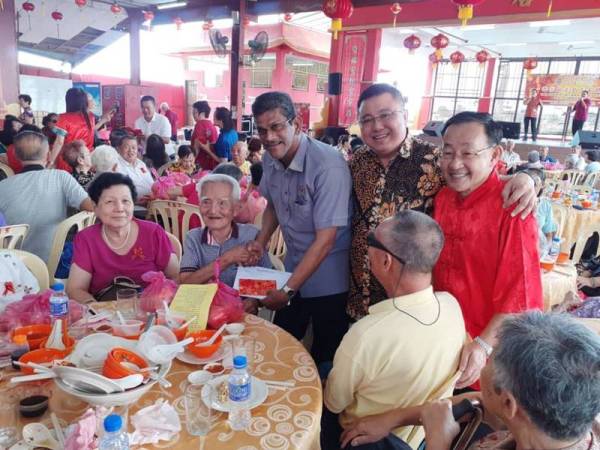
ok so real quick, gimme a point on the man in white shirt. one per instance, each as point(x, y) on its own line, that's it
point(509, 156)
point(129, 164)
point(575, 161)
point(153, 123)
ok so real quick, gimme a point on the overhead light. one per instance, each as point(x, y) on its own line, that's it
point(299, 64)
point(550, 23)
point(489, 26)
point(512, 44)
point(575, 42)
point(171, 5)
point(405, 31)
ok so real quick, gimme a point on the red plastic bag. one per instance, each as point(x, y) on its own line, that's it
point(251, 205)
point(160, 188)
point(226, 306)
point(34, 309)
point(159, 289)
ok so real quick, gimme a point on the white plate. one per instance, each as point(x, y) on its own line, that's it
point(258, 394)
point(85, 380)
point(189, 358)
point(92, 350)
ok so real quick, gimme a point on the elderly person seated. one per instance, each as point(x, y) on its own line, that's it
point(186, 161)
point(239, 153)
point(575, 161)
point(221, 238)
point(592, 158)
point(39, 196)
point(406, 351)
point(543, 213)
point(104, 159)
point(129, 164)
point(119, 245)
point(538, 395)
point(77, 156)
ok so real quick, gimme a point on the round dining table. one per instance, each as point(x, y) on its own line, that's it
point(576, 221)
point(557, 283)
point(288, 419)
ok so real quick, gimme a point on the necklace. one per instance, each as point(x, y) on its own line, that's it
point(108, 241)
point(422, 323)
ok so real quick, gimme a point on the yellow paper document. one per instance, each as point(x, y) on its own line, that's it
point(194, 300)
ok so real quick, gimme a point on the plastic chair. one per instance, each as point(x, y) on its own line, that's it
point(177, 248)
point(37, 267)
point(560, 217)
point(574, 176)
point(169, 214)
point(276, 262)
point(591, 179)
point(12, 236)
point(80, 220)
point(277, 244)
point(5, 171)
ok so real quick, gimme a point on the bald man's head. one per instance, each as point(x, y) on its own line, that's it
point(31, 146)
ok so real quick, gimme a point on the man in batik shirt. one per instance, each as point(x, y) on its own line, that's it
point(394, 171)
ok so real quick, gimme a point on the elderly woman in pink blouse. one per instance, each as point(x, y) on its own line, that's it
point(119, 245)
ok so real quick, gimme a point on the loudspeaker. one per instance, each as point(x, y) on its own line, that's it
point(511, 130)
point(334, 84)
point(587, 139)
point(434, 128)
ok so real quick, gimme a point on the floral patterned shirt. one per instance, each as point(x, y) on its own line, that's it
point(411, 181)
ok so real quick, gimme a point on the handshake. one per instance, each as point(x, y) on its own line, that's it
point(248, 254)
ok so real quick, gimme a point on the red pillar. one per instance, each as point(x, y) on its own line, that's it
point(427, 100)
point(135, 22)
point(485, 102)
point(335, 69)
point(372, 58)
point(9, 66)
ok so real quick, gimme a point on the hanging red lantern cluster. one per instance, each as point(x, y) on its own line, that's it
point(337, 10)
point(482, 57)
point(116, 9)
point(288, 17)
point(439, 42)
point(28, 7)
point(207, 26)
point(530, 64)
point(412, 43)
point(81, 4)
point(178, 21)
point(57, 16)
point(465, 9)
point(396, 9)
point(457, 58)
point(435, 58)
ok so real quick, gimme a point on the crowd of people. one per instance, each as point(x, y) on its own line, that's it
point(417, 265)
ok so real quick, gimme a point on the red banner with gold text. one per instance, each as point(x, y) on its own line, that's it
point(564, 89)
point(353, 63)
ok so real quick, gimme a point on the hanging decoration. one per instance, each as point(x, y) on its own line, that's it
point(482, 57)
point(116, 9)
point(435, 59)
point(465, 9)
point(81, 4)
point(530, 64)
point(439, 42)
point(549, 13)
point(337, 10)
point(57, 16)
point(396, 9)
point(28, 7)
point(288, 17)
point(207, 26)
point(456, 58)
point(412, 43)
point(178, 22)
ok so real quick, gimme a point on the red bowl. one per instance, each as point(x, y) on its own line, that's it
point(35, 334)
point(41, 356)
point(203, 336)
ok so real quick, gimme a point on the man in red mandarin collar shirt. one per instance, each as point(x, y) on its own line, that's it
point(490, 261)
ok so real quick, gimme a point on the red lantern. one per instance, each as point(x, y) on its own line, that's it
point(530, 64)
point(28, 7)
point(412, 43)
point(434, 59)
point(337, 10)
point(439, 42)
point(178, 23)
point(288, 17)
point(465, 9)
point(116, 9)
point(57, 16)
point(482, 57)
point(207, 26)
point(81, 4)
point(396, 9)
point(456, 58)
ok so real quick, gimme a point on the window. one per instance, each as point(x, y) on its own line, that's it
point(261, 78)
point(456, 89)
point(300, 81)
point(509, 79)
point(471, 79)
point(589, 67)
point(321, 84)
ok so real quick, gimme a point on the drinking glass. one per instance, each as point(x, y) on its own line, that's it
point(197, 413)
point(127, 302)
point(241, 346)
point(78, 330)
point(8, 423)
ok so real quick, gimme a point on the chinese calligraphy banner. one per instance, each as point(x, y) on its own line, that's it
point(303, 110)
point(564, 89)
point(353, 61)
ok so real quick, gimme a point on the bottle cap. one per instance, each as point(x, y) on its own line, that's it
point(20, 339)
point(239, 362)
point(112, 423)
point(58, 287)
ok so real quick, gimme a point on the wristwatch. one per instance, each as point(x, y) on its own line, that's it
point(487, 348)
point(291, 293)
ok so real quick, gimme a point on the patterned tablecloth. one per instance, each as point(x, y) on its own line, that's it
point(288, 419)
point(576, 221)
point(556, 284)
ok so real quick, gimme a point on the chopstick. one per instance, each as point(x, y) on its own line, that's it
point(37, 367)
point(58, 429)
point(36, 377)
point(288, 384)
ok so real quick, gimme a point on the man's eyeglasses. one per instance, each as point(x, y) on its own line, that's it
point(384, 117)
point(277, 127)
point(468, 155)
point(372, 241)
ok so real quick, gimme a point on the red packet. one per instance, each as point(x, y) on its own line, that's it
point(256, 287)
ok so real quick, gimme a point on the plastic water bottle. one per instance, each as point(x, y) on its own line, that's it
point(59, 305)
point(555, 247)
point(594, 198)
point(114, 438)
point(239, 394)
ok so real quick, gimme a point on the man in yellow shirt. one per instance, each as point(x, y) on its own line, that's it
point(406, 351)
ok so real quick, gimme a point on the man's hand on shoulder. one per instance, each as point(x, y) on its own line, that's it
point(520, 189)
